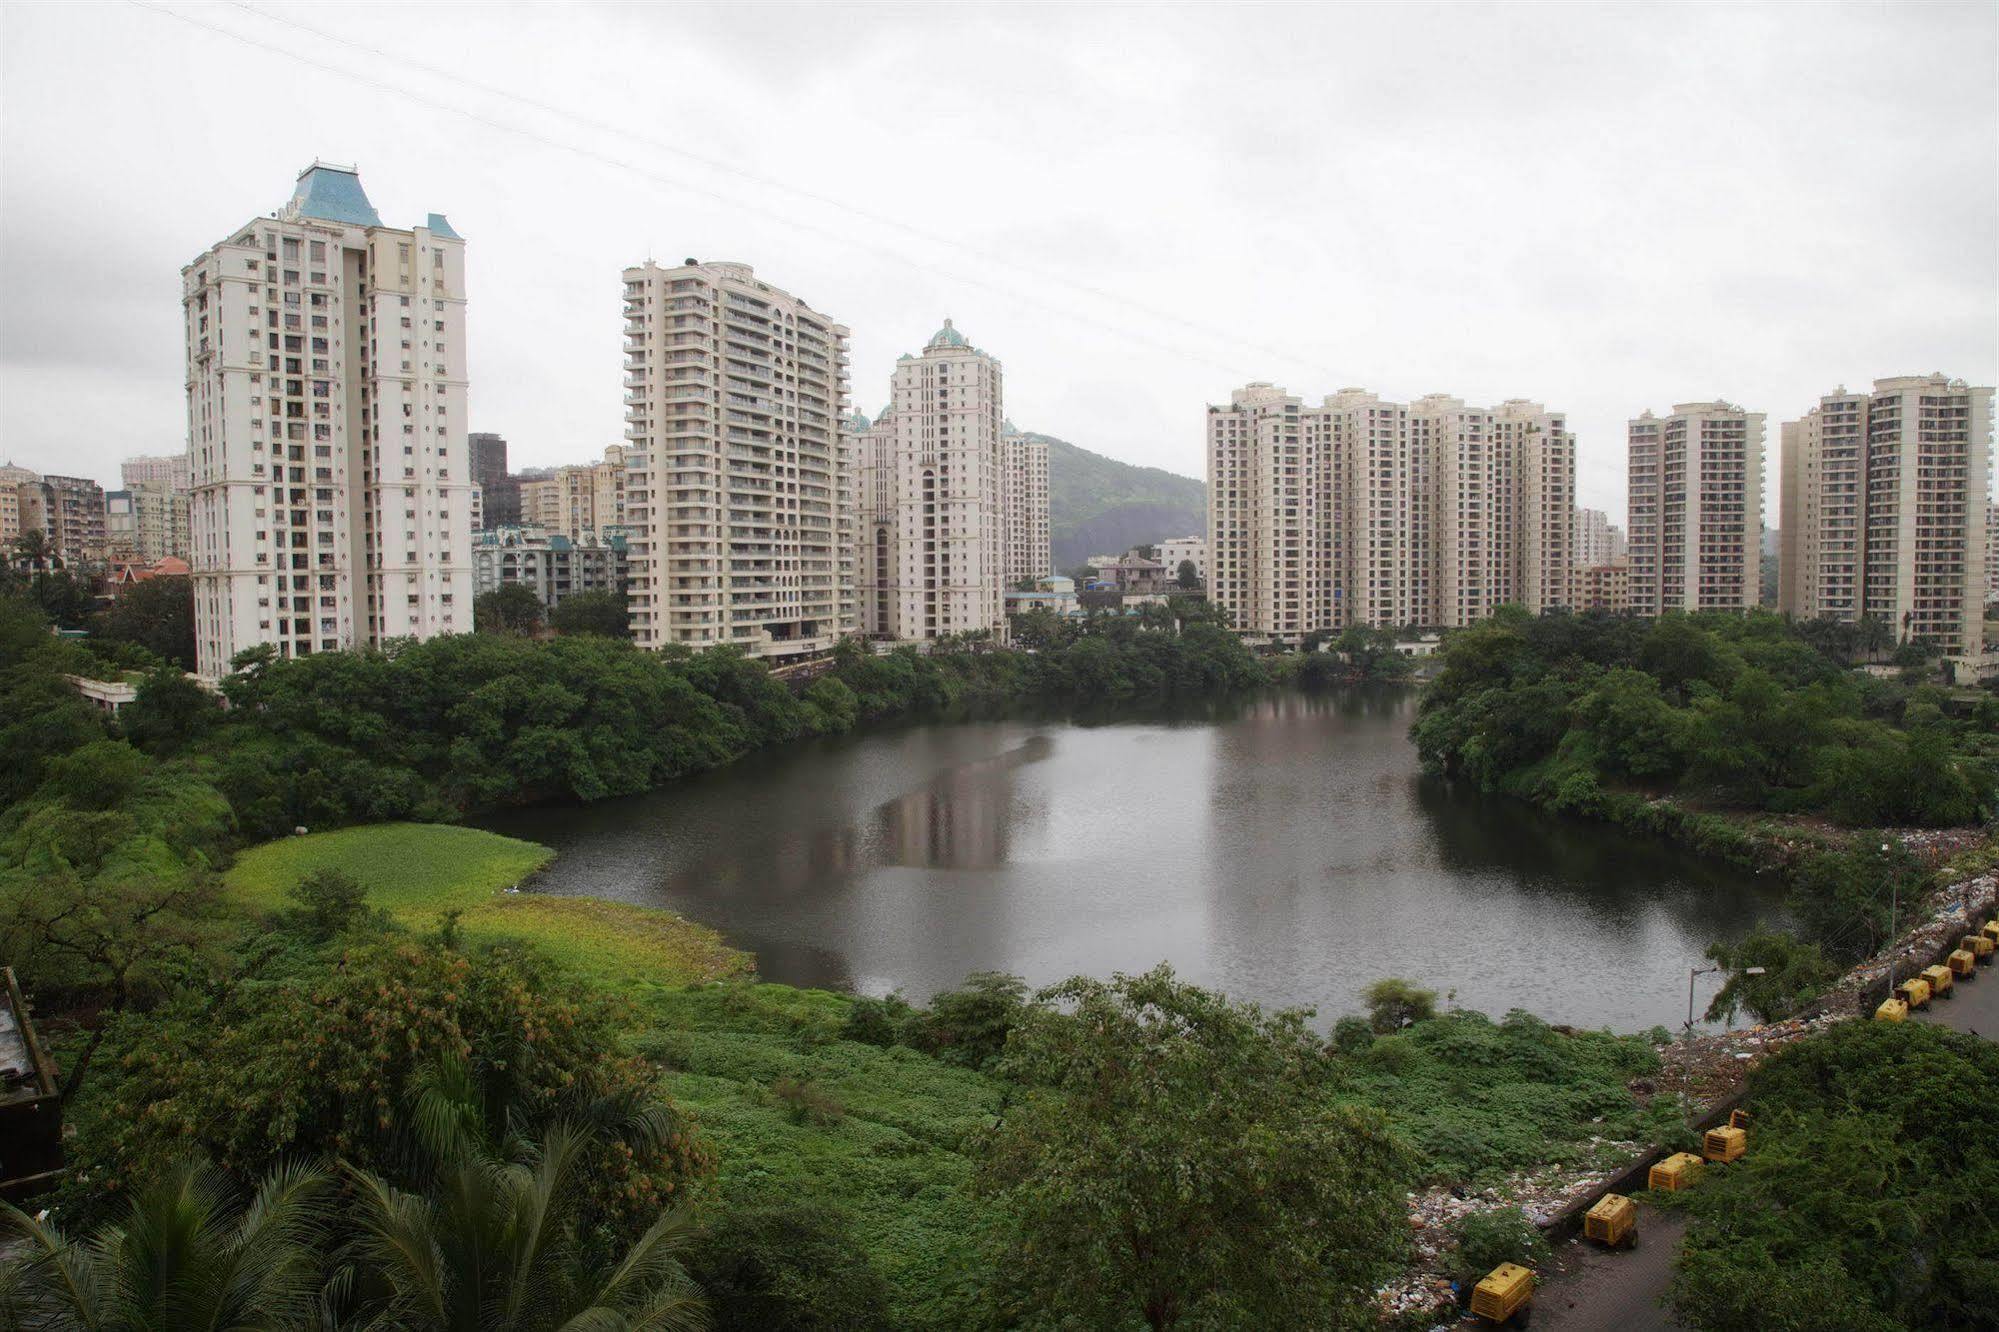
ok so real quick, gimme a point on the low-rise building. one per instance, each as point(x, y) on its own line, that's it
point(1175, 551)
point(553, 567)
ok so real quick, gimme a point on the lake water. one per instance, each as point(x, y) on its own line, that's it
point(1284, 849)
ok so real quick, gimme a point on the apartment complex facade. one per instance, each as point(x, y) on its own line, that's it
point(553, 567)
point(735, 391)
point(326, 402)
point(932, 486)
point(161, 471)
point(1024, 481)
point(584, 502)
point(1598, 541)
point(12, 478)
point(1886, 509)
point(146, 523)
point(1696, 508)
point(1603, 587)
point(70, 512)
point(1364, 511)
point(1175, 551)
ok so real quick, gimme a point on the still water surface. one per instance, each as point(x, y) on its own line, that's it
point(1284, 849)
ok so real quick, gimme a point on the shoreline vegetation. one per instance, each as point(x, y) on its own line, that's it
point(219, 990)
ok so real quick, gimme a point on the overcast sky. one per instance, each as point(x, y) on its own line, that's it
point(1136, 209)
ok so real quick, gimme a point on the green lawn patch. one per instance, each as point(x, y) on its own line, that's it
point(418, 871)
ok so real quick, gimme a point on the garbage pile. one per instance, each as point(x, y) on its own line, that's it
point(1950, 913)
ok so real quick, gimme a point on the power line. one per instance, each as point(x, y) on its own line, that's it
point(689, 187)
point(730, 168)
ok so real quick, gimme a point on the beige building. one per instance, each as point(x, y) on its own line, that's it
point(735, 392)
point(1362, 511)
point(1696, 488)
point(1992, 555)
point(70, 512)
point(12, 478)
point(164, 471)
point(1886, 511)
point(1024, 476)
point(1603, 587)
point(934, 540)
point(146, 523)
point(584, 502)
point(326, 407)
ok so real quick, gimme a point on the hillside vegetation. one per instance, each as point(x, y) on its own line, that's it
point(1100, 506)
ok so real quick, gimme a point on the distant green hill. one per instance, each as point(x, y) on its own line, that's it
point(1100, 506)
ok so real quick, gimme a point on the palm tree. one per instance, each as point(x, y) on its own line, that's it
point(495, 1245)
point(32, 549)
point(186, 1257)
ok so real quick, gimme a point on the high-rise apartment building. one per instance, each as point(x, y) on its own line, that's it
point(584, 502)
point(1886, 511)
point(1696, 489)
point(1024, 475)
point(499, 491)
point(933, 494)
point(1362, 511)
point(146, 523)
point(164, 471)
point(735, 391)
point(326, 429)
point(1992, 554)
point(12, 478)
point(1598, 541)
point(70, 512)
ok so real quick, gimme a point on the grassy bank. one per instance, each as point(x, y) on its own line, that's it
point(417, 872)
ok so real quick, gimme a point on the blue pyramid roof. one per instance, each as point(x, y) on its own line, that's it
point(334, 194)
point(439, 227)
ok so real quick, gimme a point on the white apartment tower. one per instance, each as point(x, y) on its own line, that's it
point(735, 392)
point(1024, 471)
point(933, 489)
point(1361, 511)
point(1696, 490)
point(1598, 541)
point(326, 400)
point(1886, 511)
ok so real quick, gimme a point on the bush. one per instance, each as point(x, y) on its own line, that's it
point(1393, 1004)
point(1352, 1035)
point(785, 1262)
point(329, 903)
point(1487, 1239)
point(807, 1103)
point(969, 1026)
point(882, 1022)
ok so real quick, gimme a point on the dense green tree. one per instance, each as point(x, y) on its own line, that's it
point(341, 1055)
point(509, 609)
point(1187, 577)
point(1393, 1003)
point(601, 613)
point(1176, 1160)
point(170, 713)
point(1860, 1204)
point(1793, 973)
point(185, 1254)
point(158, 615)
